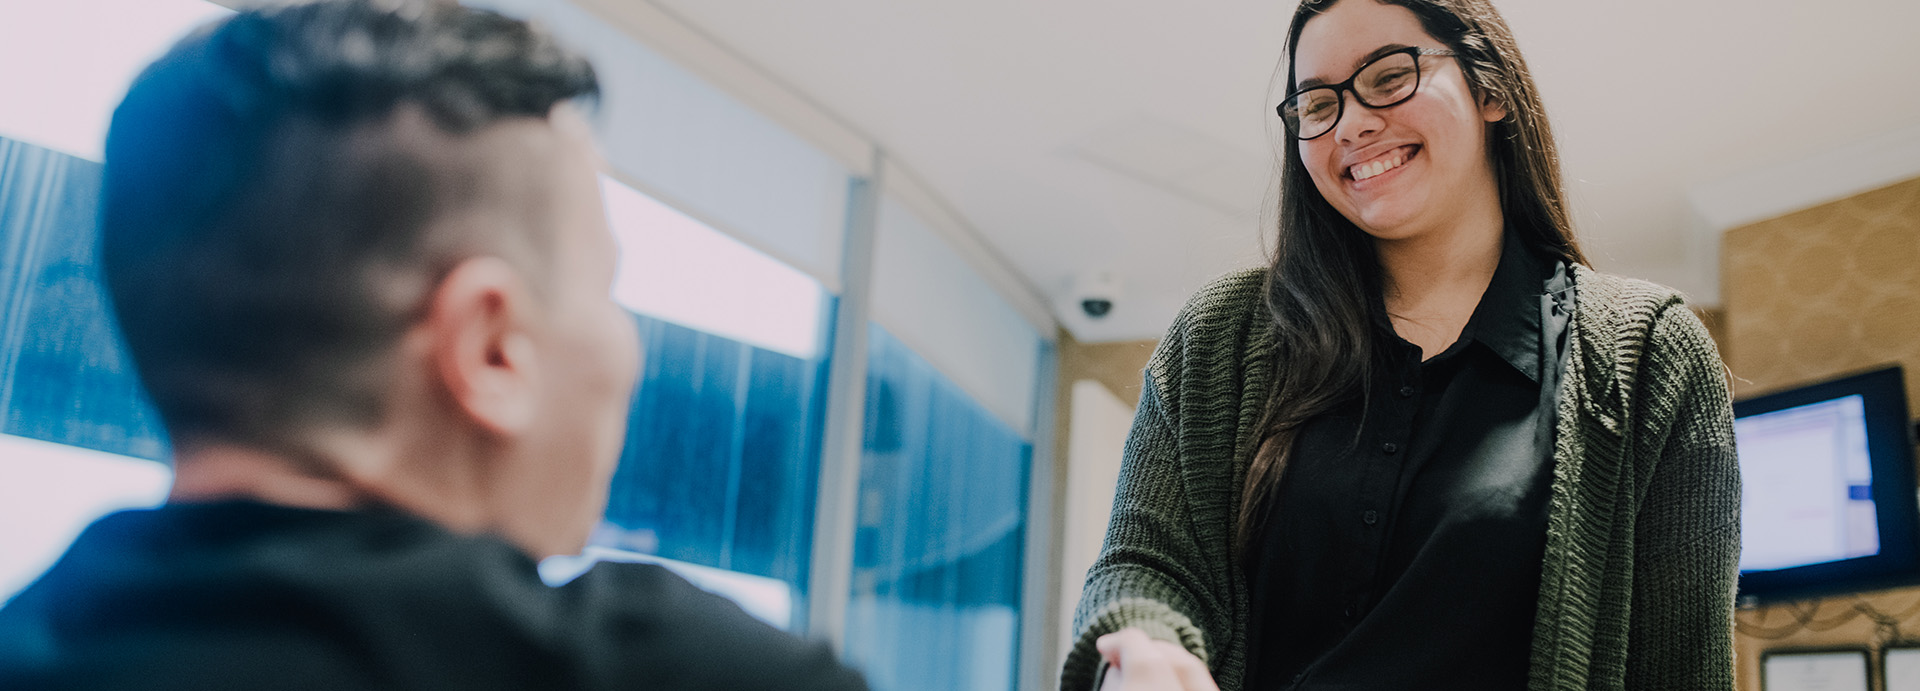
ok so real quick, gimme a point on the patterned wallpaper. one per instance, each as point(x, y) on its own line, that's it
point(1810, 295)
point(1825, 290)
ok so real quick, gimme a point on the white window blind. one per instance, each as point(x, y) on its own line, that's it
point(678, 138)
point(938, 305)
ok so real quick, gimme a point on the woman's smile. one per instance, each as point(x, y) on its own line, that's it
point(1378, 169)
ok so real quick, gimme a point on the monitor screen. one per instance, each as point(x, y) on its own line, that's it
point(1827, 489)
point(1808, 485)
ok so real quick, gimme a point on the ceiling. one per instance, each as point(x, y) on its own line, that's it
point(1132, 137)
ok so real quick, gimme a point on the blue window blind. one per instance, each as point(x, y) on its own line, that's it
point(942, 518)
point(64, 376)
point(722, 455)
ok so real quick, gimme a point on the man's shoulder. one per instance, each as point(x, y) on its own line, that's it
point(282, 597)
point(366, 600)
point(640, 619)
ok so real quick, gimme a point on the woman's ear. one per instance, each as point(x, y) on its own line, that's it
point(1493, 108)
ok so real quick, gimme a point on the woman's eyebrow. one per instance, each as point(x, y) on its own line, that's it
point(1364, 59)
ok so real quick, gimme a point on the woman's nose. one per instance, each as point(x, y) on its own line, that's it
point(1357, 121)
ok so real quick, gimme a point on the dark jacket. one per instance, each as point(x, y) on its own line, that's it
point(250, 596)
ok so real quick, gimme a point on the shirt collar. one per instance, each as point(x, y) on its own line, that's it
point(1507, 320)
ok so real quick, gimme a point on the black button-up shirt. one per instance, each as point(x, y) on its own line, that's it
point(1403, 545)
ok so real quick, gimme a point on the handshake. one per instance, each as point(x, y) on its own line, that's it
point(1138, 663)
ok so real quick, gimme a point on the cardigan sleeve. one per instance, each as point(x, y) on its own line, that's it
point(1687, 529)
point(1145, 576)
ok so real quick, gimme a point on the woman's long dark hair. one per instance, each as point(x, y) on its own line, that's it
point(1326, 281)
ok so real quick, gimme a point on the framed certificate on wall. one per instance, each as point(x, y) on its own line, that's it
point(1900, 668)
point(1815, 670)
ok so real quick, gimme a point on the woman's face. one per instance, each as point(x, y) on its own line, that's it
point(1432, 146)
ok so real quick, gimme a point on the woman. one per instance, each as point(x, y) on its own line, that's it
point(1428, 447)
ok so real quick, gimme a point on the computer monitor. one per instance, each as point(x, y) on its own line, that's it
point(1828, 499)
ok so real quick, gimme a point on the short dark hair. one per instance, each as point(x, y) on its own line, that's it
point(256, 215)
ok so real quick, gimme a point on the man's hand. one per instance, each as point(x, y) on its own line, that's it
point(1138, 663)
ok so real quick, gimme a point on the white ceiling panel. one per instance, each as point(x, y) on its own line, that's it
point(1133, 137)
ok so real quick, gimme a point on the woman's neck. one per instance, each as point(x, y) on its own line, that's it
point(1434, 280)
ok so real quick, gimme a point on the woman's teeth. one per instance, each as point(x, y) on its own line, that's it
point(1376, 166)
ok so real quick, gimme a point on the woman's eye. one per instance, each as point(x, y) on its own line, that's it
point(1391, 78)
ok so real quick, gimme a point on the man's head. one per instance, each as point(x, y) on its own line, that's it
point(366, 237)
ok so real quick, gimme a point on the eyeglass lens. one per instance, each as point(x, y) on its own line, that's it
point(1382, 83)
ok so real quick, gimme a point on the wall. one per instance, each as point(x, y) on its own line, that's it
point(1114, 369)
point(1100, 423)
point(1117, 366)
point(1809, 295)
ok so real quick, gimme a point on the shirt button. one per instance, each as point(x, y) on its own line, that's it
point(1371, 517)
point(1390, 447)
point(1406, 392)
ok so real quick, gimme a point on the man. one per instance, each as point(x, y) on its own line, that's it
point(358, 253)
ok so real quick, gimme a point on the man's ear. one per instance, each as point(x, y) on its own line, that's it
point(477, 321)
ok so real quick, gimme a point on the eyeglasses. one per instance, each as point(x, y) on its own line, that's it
point(1383, 82)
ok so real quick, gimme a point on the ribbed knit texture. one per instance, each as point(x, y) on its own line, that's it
point(1643, 529)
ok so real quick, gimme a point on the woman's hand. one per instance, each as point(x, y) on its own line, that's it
point(1138, 663)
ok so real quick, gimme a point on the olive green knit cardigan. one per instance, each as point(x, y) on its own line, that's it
point(1643, 529)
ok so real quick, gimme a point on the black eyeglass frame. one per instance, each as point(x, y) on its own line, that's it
point(1340, 99)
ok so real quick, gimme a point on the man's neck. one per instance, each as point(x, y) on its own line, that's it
point(223, 471)
point(351, 472)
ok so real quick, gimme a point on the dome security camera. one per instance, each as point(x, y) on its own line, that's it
point(1095, 294)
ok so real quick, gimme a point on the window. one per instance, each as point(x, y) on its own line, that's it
point(64, 66)
point(942, 525)
point(723, 446)
point(721, 457)
point(77, 437)
point(50, 492)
